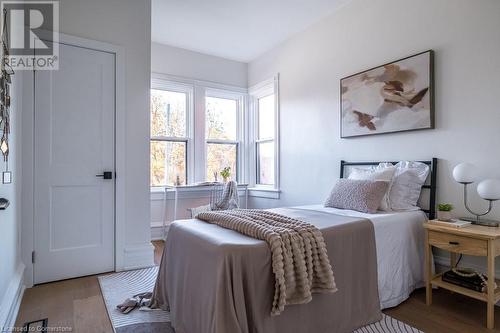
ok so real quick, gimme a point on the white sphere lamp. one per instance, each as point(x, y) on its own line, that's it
point(489, 189)
point(465, 173)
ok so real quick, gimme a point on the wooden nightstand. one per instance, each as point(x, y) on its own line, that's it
point(471, 240)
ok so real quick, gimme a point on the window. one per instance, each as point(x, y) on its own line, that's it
point(265, 143)
point(169, 134)
point(197, 129)
point(221, 130)
point(265, 115)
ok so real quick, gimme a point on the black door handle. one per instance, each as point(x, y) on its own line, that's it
point(106, 175)
point(454, 243)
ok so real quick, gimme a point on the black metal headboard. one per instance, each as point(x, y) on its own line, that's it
point(431, 184)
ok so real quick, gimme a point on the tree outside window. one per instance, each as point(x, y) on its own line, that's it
point(221, 117)
point(168, 137)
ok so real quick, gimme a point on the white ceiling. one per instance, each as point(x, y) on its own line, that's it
point(234, 29)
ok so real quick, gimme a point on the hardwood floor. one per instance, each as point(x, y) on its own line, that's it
point(77, 303)
point(158, 250)
point(449, 313)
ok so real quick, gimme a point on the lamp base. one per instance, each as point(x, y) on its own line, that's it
point(483, 222)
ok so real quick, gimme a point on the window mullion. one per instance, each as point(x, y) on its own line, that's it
point(252, 139)
point(190, 118)
point(199, 142)
point(243, 139)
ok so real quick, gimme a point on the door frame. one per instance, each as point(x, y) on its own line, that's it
point(28, 156)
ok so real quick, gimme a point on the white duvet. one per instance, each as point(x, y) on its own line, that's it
point(399, 238)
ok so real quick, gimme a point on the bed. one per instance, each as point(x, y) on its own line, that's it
point(400, 255)
point(215, 280)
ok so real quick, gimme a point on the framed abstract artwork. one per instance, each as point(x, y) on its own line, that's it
point(394, 97)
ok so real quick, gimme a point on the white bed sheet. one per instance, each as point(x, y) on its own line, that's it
point(399, 237)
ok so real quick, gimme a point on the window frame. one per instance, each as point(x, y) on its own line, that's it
point(261, 90)
point(240, 128)
point(196, 164)
point(168, 85)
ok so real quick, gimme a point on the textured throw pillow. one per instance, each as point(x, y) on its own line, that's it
point(382, 173)
point(361, 195)
point(407, 185)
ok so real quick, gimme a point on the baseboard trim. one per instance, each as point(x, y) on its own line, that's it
point(12, 300)
point(138, 256)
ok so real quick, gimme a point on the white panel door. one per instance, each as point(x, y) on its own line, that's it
point(74, 143)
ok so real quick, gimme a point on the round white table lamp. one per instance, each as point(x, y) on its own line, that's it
point(489, 189)
point(465, 173)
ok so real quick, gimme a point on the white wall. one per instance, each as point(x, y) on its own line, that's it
point(466, 38)
point(125, 23)
point(171, 60)
point(11, 267)
point(128, 24)
point(186, 64)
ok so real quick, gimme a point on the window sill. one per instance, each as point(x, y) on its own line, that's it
point(158, 193)
point(156, 224)
point(157, 189)
point(262, 192)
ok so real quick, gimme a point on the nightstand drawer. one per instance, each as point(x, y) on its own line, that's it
point(459, 244)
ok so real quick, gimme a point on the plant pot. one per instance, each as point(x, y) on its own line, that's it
point(444, 216)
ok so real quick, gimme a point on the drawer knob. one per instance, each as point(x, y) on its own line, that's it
point(454, 243)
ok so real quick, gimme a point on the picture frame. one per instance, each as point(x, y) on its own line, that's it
point(6, 177)
point(395, 97)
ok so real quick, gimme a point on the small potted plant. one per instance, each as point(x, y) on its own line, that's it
point(444, 212)
point(226, 173)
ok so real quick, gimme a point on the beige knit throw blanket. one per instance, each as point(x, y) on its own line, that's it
point(299, 257)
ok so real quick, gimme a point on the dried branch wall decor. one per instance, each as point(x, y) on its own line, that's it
point(5, 81)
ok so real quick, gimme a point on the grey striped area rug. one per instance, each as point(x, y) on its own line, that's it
point(117, 287)
point(387, 325)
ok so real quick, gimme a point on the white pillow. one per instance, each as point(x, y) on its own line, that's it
point(407, 184)
point(378, 173)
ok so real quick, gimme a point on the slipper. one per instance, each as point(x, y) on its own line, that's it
point(127, 310)
point(138, 300)
point(128, 305)
point(144, 295)
point(144, 298)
